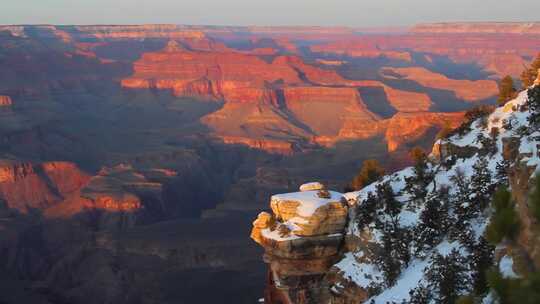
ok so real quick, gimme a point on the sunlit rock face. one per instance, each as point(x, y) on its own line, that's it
point(5, 101)
point(302, 238)
point(25, 186)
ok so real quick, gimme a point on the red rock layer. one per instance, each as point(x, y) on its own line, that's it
point(5, 101)
point(229, 76)
point(479, 27)
point(359, 49)
point(464, 89)
point(25, 185)
point(498, 51)
point(278, 106)
point(326, 110)
point(405, 128)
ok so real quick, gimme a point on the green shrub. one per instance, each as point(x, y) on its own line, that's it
point(515, 290)
point(370, 172)
point(507, 91)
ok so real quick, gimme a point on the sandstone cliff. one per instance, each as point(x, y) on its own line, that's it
point(463, 89)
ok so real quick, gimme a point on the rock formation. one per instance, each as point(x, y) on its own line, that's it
point(302, 238)
point(479, 27)
point(5, 101)
point(25, 186)
point(467, 90)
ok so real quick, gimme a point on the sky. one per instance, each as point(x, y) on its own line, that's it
point(357, 13)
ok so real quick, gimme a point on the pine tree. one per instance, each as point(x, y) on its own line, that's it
point(507, 91)
point(370, 172)
point(504, 222)
point(481, 259)
point(447, 275)
point(433, 222)
point(420, 295)
point(417, 184)
point(366, 211)
point(481, 185)
point(533, 104)
point(395, 253)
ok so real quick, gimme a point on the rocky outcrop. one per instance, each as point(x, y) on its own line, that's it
point(302, 238)
point(5, 101)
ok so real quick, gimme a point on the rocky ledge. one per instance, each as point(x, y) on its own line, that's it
point(302, 239)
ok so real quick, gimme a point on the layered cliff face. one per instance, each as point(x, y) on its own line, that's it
point(25, 186)
point(281, 106)
point(467, 90)
point(409, 230)
point(477, 27)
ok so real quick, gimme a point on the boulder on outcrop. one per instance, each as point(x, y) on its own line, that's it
point(311, 213)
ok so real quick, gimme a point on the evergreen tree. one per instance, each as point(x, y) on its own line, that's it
point(481, 185)
point(433, 222)
point(504, 222)
point(417, 184)
point(395, 253)
point(448, 277)
point(481, 259)
point(533, 104)
point(370, 172)
point(530, 74)
point(507, 91)
point(366, 211)
point(391, 206)
point(420, 295)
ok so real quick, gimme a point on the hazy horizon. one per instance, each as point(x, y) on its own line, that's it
point(350, 13)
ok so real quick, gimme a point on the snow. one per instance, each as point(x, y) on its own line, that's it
point(311, 186)
point(409, 279)
point(506, 267)
point(356, 267)
point(362, 274)
point(445, 247)
point(274, 235)
point(309, 201)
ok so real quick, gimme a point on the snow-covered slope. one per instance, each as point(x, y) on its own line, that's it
point(413, 229)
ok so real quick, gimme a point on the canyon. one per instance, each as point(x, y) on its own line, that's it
point(135, 157)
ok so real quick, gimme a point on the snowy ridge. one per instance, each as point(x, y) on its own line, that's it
point(444, 184)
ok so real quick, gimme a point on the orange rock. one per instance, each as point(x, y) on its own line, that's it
point(464, 89)
point(405, 128)
point(26, 185)
point(5, 101)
